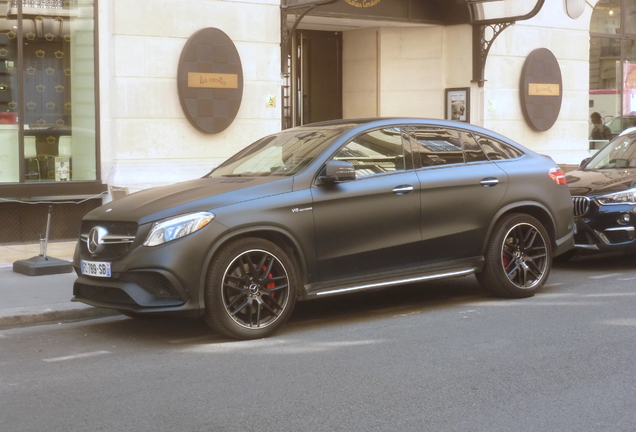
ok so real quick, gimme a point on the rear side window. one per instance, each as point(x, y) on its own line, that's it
point(436, 146)
point(497, 150)
point(472, 151)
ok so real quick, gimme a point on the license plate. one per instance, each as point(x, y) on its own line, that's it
point(96, 268)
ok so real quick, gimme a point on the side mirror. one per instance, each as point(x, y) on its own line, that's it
point(584, 162)
point(337, 171)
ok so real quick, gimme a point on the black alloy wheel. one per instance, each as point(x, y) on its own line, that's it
point(518, 257)
point(250, 290)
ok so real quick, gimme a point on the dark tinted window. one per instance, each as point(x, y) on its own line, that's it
point(375, 152)
point(436, 146)
point(496, 150)
point(472, 151)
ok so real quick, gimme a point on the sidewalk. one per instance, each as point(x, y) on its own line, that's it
point(29, 300)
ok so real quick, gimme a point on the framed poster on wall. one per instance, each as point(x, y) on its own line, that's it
point(458, 104)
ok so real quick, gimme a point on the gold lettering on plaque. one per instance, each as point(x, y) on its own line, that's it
point(212, 80)
point(363, 3)
point(544, 89)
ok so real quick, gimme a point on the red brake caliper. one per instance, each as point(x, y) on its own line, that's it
point(270, 285)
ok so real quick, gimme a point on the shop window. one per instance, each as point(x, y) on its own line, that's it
point(47, 92)
point(612, 102)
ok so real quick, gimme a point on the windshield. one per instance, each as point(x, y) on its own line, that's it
point(283, 154)
point(619, 153)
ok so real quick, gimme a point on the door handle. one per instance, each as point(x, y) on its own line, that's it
point(402, 190)
point(489, 182)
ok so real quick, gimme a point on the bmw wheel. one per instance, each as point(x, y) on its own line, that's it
point(518, 257)
point(250, 289)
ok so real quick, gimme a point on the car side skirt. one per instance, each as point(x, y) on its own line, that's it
point(378, 281)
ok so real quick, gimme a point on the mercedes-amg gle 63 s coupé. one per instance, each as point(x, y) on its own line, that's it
point(329, 208)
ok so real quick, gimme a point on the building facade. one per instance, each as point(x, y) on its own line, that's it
point(91, 96)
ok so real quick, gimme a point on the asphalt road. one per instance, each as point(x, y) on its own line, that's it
point(439, 356)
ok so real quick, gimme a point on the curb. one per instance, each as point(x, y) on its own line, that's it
point(48, 314)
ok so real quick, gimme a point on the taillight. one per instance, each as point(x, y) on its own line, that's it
point(558, 176)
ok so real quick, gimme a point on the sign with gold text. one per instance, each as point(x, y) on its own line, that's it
point(212, 80)
point(544, 89)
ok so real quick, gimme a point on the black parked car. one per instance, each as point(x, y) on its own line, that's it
point(324, 209)
point(604, 192)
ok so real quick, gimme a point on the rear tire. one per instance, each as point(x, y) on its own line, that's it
point(250, 289)
point(518, 257)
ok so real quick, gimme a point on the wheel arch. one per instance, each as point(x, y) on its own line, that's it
point(276, 235)
point(535, 209)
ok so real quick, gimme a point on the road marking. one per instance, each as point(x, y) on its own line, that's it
point(76, 356)
point(606, 276)
point(2, 336)
point(626, 279)
point(630, 322)
point(611, 295)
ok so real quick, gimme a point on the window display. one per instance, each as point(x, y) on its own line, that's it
point(47, 91)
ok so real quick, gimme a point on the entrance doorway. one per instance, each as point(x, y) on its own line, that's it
point(316, 77)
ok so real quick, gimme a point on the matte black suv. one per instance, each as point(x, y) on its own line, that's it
point(329, 208)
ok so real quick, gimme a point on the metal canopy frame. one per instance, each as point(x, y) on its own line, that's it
point(486, 31)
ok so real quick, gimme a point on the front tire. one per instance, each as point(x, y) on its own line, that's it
point(518, 257)
point(250, 289)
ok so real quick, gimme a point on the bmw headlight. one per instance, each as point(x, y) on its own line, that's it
point(626, 197)
point(177, 227)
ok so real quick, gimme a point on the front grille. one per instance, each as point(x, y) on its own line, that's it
point(617, 236)
point(581, 205)
point(104, 295)
point(111, 251)
point(152, 282)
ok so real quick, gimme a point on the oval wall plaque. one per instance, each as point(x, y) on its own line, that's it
point(541, 89)
point(210, 80)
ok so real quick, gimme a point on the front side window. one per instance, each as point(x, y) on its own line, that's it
point(377, 152)
point(47, 92)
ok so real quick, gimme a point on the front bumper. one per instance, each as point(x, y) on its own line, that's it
point(166, 279)
point(606, 228)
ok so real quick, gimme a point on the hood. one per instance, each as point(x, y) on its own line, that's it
point(190, 196)
point(600, 182)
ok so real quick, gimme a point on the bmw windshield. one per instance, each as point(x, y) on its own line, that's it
point(619, 153)
point(283, 154)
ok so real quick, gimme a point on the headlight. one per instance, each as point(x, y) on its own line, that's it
point(177, 227)
point(626, 197)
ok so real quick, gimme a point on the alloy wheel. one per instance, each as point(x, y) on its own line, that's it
point(524, 255)
point(256, 289)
